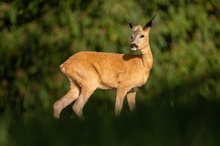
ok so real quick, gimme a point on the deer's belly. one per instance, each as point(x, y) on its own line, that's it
point(106, 86)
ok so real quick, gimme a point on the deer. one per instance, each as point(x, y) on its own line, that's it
point(90, 70)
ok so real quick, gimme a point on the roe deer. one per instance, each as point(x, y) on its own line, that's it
point(87, 71)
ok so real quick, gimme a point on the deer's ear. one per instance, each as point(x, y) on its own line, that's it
point(149, 24)
point(130, 24)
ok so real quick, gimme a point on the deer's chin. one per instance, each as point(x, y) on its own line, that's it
point(134, 48)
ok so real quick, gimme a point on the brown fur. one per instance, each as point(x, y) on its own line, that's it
point(88, 71)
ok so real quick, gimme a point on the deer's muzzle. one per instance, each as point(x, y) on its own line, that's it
point(133, 46)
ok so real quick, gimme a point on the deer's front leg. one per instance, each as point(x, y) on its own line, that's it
point(121, 93)
point(131, 100)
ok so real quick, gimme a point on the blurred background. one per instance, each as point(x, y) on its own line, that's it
point(179, 104)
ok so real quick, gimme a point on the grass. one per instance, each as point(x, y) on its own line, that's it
point(158, 124)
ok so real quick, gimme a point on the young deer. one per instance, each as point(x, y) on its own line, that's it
point(87, 71)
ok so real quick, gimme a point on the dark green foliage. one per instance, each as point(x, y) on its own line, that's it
point(179, 105)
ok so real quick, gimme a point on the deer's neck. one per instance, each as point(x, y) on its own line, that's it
point(147, 57)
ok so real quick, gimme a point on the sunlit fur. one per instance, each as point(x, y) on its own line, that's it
point(87, 71)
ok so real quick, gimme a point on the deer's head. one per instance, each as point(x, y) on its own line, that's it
point(140, 36)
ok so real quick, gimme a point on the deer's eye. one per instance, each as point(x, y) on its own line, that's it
point(132, 37)
point(142, 36)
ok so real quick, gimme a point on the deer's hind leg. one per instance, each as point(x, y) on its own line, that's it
point(66, 99)
point(87, 90)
